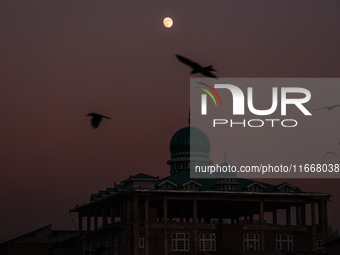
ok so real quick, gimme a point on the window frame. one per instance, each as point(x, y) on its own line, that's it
point(180, 241)
point(319, 244)
point(207, 239)
point(287, 240)
point(248, 239)
point(141, 242)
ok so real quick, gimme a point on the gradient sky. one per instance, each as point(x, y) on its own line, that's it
point(60, 60)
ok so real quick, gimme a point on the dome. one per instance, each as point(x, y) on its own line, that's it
point(180, 143)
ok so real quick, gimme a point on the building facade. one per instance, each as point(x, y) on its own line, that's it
point(179, 215)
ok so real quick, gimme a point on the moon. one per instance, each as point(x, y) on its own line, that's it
point(167, 22)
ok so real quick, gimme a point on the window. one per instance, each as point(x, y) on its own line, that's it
point(166, 185)
point(286, 189)
point(141, 242)
point(319, 244)
point(226, 179)
point(180, 242)
point(284, 242)
point(191, 186)
point(255, 187)
point(251, 242)
point(207, 242)
point(226, 187)
point(232, 186)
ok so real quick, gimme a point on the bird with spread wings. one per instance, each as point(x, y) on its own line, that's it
point(331, 153)
point(197, 68)
point(327, 107)
point(96, 119)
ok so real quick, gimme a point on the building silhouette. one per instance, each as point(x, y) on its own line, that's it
point(40, 242)
point(180, 215)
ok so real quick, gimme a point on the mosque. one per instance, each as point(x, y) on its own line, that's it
point(149, 215)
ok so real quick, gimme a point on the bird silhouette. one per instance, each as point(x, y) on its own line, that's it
point(327, 107)
point(96, 119)
point(197, 68)
point(331, 153)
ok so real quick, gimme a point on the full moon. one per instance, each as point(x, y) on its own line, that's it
point(167, 22)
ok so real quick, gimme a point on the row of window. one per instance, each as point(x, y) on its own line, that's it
point(180, 242)
point(255, 188)
point(189, 186)
point(226, 186)
point(219, 186)
point(225, 179)
point(251, 242)
point(207, 242)
point(179, 165)
point(194, 186)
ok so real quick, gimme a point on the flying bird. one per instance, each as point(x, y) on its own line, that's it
point(96, 119)
point(331, 153)
point(327, 107)
point(197, 68)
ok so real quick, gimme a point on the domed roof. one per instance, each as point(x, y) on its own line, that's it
point(180, 143)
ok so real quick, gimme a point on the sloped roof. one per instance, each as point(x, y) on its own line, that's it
point(183, 177)
point(102, 193)
point(143, 176)
point(166, 181)
point(279, 186)
point(31, 236)
point(140, 176)
point(191, 181)
point(110, 190)
point(94, 197)
point(255, 183)
point(209, 184)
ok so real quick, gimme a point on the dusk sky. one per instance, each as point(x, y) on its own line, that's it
point(60, 60)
